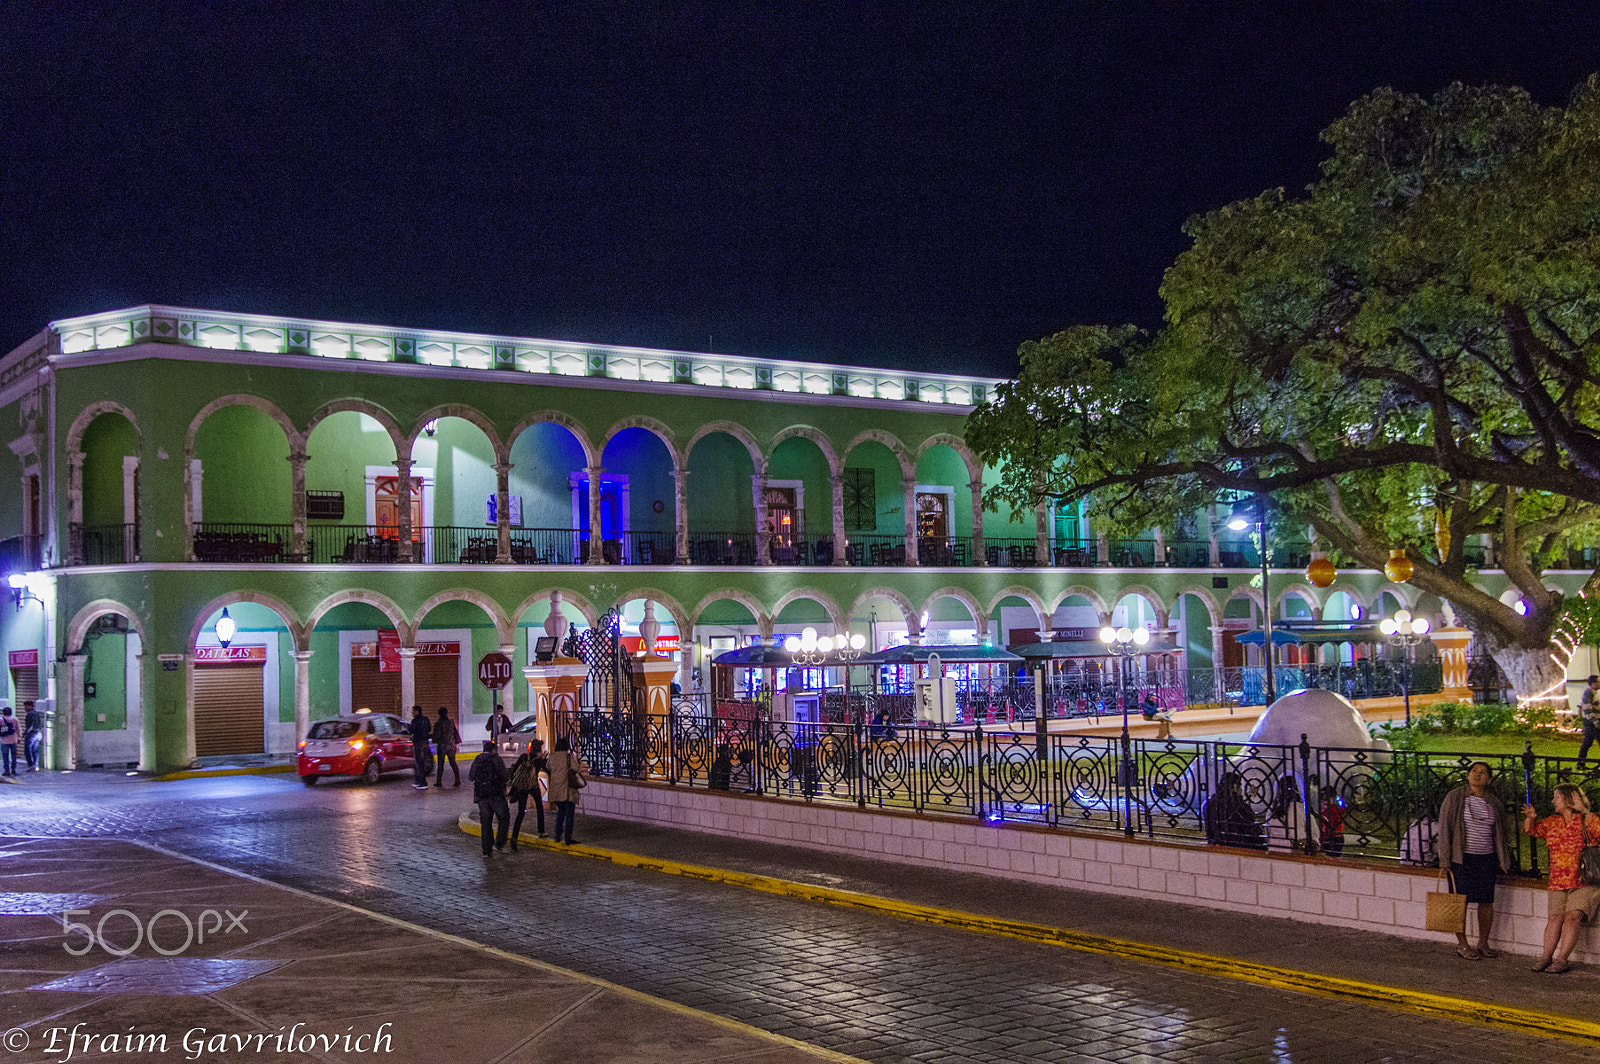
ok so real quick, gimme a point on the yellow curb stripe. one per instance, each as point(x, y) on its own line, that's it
point(207, 773)
point(1523, 1021)
point(690, 1011)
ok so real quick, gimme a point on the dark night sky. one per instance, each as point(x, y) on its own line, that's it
point(884, 184)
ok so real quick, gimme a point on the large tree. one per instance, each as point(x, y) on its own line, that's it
point(1414, 337)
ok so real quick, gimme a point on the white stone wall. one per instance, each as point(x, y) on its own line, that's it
point(1364, 895)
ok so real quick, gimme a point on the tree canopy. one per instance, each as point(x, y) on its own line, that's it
point(1415, 336)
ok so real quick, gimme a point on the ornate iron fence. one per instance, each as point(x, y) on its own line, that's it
point(1343, 802)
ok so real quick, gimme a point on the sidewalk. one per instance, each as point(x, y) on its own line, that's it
point(282, 970)
point(1313, 957)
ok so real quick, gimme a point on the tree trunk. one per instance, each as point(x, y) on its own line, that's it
point(1532, 672)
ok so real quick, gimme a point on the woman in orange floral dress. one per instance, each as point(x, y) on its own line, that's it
point(1571, 902)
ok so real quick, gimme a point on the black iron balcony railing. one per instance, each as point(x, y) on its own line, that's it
point(109, 544)
point(226, 541)
point(1341, 802)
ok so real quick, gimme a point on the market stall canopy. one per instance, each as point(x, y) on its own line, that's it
point(764, 656)
point(1087, 648)
point(1336, 633)
point(907, 654)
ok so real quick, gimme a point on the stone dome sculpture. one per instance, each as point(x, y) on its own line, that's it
point(1326, 718)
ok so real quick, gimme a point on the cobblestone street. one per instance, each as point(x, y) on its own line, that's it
point(881, 989)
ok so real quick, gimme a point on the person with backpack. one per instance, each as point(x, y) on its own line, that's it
point(10, 733)
point(488, 776)
point(32, 734)
point(525, 784)
point(445, 740)
point(421, 733)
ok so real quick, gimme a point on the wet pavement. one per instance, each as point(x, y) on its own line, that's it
point(863, 984)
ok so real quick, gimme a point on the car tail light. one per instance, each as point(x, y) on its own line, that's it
point(302, 745)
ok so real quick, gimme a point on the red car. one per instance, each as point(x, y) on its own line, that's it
point(357, 744)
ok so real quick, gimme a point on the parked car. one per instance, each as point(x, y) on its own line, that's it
point(514, 742)
point(356, 744)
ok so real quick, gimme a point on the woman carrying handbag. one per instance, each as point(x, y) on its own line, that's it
point(1572, 902)
point(566, 780)
point(1475, 848)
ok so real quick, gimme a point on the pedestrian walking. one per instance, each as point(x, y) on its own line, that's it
point(1571, 902)
point(525, 785)
point(488, 776)
point(1589, 717)
point(566, 780)
point(1475, 845)
point(32, 734)
point(10, 736)
point(445, 740)
point(421, 733)
point(498, 724)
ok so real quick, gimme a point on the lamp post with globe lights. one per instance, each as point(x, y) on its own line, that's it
point(1247, 514)
point(1404, 632)
point(1123, 644)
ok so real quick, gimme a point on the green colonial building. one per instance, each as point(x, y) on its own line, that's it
point(378, 507)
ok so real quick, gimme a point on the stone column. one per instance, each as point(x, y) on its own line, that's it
point(403, 512)
point(597, 554)
point(977, 522)
point(297, 507)
point(502, 513)
point(1216, 660)
point(1102, 547)
point(1214, 552)
point(302, 694)
point(758, 484)
point(1161, 547)
point(408, 681)
point(1041, 533)
point(190, 758)
point(680, 493)
point(71, 700)
point(908, 487)
point(839, 536)
point(75, 511)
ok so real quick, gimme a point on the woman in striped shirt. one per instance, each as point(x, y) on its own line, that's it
point(1475, 845)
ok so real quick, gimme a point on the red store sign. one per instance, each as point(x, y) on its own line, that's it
point(231, 655)
point(21, 659)
point(387, 650)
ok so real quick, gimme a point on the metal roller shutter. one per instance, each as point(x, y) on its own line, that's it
point(439, 684)
point(24, 684)
point(228, 710)
point(374, 690)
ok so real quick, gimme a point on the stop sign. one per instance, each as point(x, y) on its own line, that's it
point(494, 671)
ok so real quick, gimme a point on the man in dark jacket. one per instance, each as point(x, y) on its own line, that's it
point(488, 776)
point(421, 729)
point(32, 734)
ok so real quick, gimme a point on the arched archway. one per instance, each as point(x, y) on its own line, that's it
point(103, 450)
point(246, 696)
point(243, 511)
point(639, 496)
point(723, 459)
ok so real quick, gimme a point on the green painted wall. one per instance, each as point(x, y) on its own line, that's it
point(340, 449)
point(107, 440)
point(891, 497)
point(802, 460)
point(10, 476)
point(244, 457)
point(107, 670)
point(719, 482)
point(941, 466)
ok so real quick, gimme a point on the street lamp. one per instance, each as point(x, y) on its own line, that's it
point(1245, 515)
point(1123, 643)
point(1404, 632)
point(225, 628)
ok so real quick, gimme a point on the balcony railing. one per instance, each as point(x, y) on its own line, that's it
point(232, 542)
point(110, 544)
point(1341, 802)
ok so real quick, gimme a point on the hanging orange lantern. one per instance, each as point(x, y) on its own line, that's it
point(1320, 571)
point(1399, 567)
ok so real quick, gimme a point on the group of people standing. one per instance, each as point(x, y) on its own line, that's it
point(494, 788)
point(1475, 848)
point(25, 733)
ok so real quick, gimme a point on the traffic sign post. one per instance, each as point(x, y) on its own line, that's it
point(494, 672)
